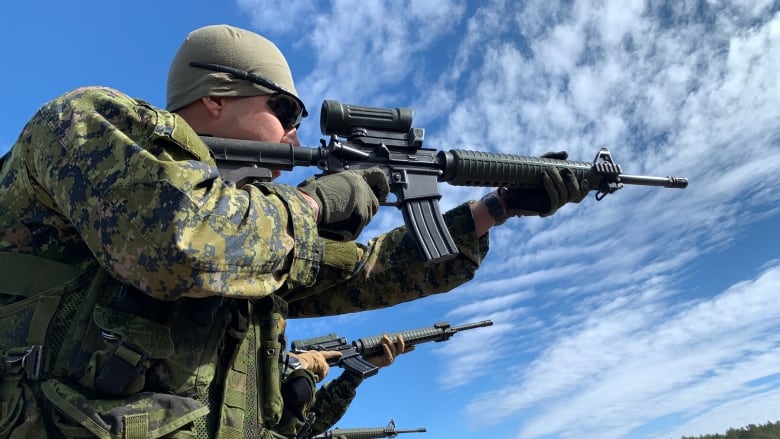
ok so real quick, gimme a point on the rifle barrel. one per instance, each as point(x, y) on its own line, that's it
point(369, 433)
point(481, 324)
point(644, 180)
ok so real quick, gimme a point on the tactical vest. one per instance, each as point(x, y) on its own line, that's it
point(94, 358)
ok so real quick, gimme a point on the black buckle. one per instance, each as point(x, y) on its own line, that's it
point(306, 427)
point(29, 358)
point(118, 372)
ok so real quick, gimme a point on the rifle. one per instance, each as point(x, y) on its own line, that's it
point(352, 353)
point(363, 137)
point(367, 433)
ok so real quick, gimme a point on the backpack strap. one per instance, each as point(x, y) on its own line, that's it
point(27, 275)
point(43, 282)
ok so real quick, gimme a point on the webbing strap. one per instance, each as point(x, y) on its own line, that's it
point(44, 311)
point(27, 275)
point(31, 276)
point(136, 426)
point(235, 411)
point(234, 392)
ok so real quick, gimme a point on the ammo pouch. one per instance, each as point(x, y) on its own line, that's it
point(143, 366)
point(286, 391)
point(298, 388)
point(270, 313)
point(75, 356)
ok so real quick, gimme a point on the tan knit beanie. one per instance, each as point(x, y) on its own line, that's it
point(231, 47)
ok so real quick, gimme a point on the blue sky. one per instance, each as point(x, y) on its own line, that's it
point(650, 314)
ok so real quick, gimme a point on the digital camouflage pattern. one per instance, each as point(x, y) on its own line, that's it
point(333, 399)
point(387, 271)
point(128, 194)
point(98, 174)
point(331, 403)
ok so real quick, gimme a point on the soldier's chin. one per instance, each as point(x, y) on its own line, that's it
point(275, 173)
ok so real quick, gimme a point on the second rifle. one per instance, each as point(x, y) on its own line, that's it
point(353, 353)
point(367, 433)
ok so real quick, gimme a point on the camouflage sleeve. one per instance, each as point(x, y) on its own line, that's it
point(387, 271)
point(332, 401)
point(143, 193)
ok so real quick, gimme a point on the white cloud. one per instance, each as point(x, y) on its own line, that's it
point(758, 408)
point(598, 290)
point(676, 83)
point(268, 18)
point(637, 363)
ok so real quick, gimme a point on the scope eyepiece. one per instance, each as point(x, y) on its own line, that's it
point(339, 119)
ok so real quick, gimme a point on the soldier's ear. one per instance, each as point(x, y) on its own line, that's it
point(214, 105)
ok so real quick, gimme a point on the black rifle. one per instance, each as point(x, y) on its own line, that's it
point(352, 353)
point(367, 433)
point(364, 137)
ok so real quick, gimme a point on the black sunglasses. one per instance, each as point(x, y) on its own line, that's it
point(286, 106)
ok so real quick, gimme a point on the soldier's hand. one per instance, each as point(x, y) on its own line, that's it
point(347, 200)
point(559, 187)
point(389, 352)
point(316, 362)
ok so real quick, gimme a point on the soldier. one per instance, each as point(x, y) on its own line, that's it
point(332, 400)
point(143, 296)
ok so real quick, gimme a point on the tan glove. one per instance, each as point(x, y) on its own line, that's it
point(317, 362)
point(390, 350)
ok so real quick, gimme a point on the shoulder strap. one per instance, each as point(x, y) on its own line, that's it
point(27, 275)
point(41, 282)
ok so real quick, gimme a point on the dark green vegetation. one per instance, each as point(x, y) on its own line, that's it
point(769, 430)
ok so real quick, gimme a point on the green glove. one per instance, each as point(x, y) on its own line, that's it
point(559, 187)
point(347, 200)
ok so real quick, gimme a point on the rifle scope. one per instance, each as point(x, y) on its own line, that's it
point(341, 119)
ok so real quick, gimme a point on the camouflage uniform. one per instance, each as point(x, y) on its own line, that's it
point(166, 279)
point(332, 401)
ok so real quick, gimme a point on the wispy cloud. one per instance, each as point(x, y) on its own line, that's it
point(672, 88)
point(638, 363)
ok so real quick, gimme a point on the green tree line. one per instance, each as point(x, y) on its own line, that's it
point(770, 430)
